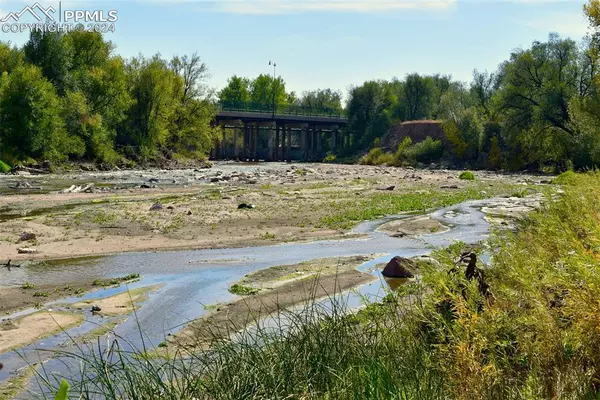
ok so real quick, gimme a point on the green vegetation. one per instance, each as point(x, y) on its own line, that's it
point(407, 153)
point(348, 213)
point(539, 110)
point(115, 281)
point(27, 285)
point(537, 337)
point(242, 290)
point(467, 176)
point(67, 95)
point(4, 167)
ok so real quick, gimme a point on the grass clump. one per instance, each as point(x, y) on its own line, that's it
point(567, 178)
point(27, 285)
point(4, 167)
point(467, 176)
point(115, 281)
point(242, 290)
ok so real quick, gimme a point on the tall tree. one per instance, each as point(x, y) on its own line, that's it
point(30, 123)
point(418, 97)
point(322, 99)
point(53, 53)
point(535, 94)
point(236, 91)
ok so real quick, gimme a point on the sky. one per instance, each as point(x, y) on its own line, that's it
point(330, 44)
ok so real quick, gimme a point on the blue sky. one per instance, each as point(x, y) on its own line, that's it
point(332, 44)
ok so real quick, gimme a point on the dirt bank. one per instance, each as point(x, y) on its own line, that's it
point(16, 333)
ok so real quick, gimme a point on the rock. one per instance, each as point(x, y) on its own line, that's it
point(189, 212)
point(215, 179)
point(246, 206)
point(170, 207)
point(153, 180)
point(390, 188)
point(96, 308)
point(26, 250)
point(399, 267)
point(27, 236)
point(449, 187)
point(156, 207)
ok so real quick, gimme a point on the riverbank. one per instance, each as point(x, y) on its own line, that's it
point(120, 211)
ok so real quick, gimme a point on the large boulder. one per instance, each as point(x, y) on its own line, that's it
point(399, 267)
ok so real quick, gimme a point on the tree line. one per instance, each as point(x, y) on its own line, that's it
point(68, 96)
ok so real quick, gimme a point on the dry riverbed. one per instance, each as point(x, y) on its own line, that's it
point(160, 210)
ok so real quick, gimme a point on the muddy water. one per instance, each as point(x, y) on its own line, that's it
point(191, 279)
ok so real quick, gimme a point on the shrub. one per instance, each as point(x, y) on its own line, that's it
point(402, 155)
point(371, 156)
point(242, 290)
point(495, 156)
point(428, 150)
point(4, 167)
point(567, 178)
point(330, 158)
point(467, 175)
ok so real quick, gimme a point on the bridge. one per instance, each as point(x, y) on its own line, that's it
point(255, 131)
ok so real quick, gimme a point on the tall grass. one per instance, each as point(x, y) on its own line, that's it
point(538, 338)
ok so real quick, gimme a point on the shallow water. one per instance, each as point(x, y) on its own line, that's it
point(192, 279)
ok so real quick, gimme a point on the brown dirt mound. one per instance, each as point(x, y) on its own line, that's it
point(416, 130)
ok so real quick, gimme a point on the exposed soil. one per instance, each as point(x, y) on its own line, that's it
point(200, 207)
point(18, 298)
point(120, 304)
point(19, 332)
point(419, 225)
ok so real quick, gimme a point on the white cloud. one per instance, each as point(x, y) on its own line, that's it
point(299, 6)
point(574, 25)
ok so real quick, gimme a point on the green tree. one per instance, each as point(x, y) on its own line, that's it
point(53, 53)
point(264, 89)
point(236, 91)
point(322, 99)
point(370, 111)
point(192, 134)
point(152, 86)
point(418, 99)
point(30, 123)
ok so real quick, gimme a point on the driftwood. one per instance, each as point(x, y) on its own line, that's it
point(9, 265)
point(35, 171)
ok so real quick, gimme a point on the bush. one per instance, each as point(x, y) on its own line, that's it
point(4, 167)
point(427, 151)
point(567, 178)
point(371, 156)
point(401, 157)
point(242, 290)
point(467, 175)
point(330, 158)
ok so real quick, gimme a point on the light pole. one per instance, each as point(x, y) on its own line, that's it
point(274, 66)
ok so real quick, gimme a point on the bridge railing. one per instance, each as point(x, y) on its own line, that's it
point(280, 109)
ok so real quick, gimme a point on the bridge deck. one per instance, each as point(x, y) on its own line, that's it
point(258, 116)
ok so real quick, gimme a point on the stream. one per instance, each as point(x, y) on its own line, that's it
point(191, 280)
